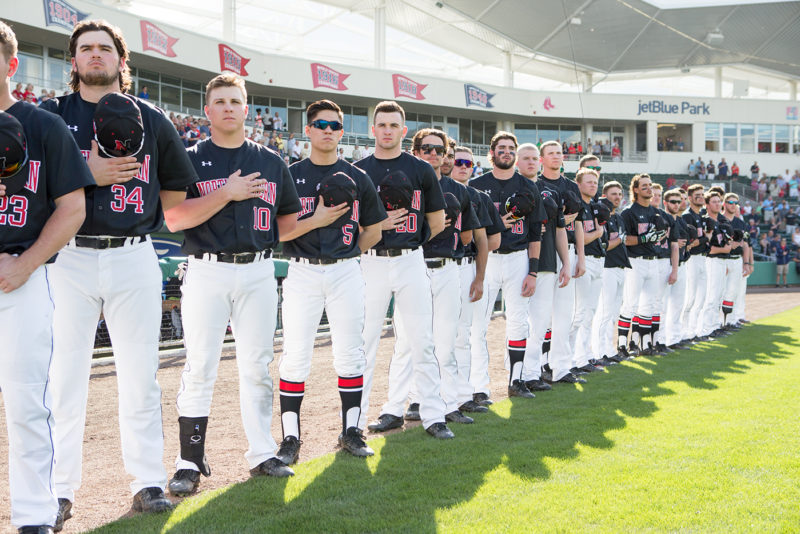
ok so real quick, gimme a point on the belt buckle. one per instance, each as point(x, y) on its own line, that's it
point(102, 243)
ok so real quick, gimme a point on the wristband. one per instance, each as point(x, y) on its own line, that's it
point(533, 266)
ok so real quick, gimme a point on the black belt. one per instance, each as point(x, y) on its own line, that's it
point(735, 257)
point(393, 252)
point(505, 251)
point(644, 257)
point(317, 261)
point(436, 264)
point(466, 260)
point(100, 243)
point(237, 257)
point(596, 256)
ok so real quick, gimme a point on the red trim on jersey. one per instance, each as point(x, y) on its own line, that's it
point(355, 382)
point(293, 387)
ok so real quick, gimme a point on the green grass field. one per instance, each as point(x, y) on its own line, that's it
point(697, 441)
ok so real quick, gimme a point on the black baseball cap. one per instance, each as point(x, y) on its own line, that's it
point(118, 127)
point(13, 154)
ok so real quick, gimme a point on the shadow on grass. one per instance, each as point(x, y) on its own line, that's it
point(416, 476)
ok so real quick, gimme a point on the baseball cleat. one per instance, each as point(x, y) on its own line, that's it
point(578, 372)
point(538, 384)
point(353, 442)
point(386, 421)
point(273, 468)
point(412, 414)
point(457, 417)
point(473, 407)
point(151, 500)
point(547, 375)
point(64, 513)
point(663, 349)
point(633, 350)
point(482, 399)
point(289, 451)
point(440, 431)
point(517, 388)
point(184, 482)
point(570, 378)
point(590, 368)
point(606, 361)
point(623, 354)
point(596, 362)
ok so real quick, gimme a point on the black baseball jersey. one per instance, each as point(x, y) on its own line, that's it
point(447, 243)
point(55, 167)
point(427, 198)
point(718, 238)
point(247, 225)
point(339, 239)
point(696, 220)
point(737, 222)
point(681, 230)
point(618, 256)
point(636, 222)
point(561, 185)
point(132, 208)
point(664, 247)
point(595, 248)
point(488, 216)
point(547, 250)
point(526, 230)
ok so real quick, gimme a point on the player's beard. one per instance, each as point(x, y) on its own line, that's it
point(97, 78)
point(504, 165)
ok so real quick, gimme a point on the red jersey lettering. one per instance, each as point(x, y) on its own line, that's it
point(32, 184)
point(354, 217)
point(269, 193)
point(17, 208)
point(416, 200)
point(209, 186)
point(306, 206)
point(144, 171)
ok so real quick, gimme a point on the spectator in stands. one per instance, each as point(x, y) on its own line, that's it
point(782, 255)
point(296, 154)
point(754, 231)
point(43, 96)
point(277, 122)
point(754, 170)
point(734, 170)
point(616, 153)
point(52, 93)
point(290, 143)
point(796, 236)
point(259, 120)
point(794, 188)
point(596, 148)
point(358, 154)
point(773, 189)
point(680, 145)
point(18, 93)
point(762, 188)
point(258, 135)
point(268, 124)
point(280, 144)
point(306, 152)
point(711, 169)
point(765, 245)
point(692, 169)
point(767, 207)
point(670, 183)
point(701, 169)
point(273, 143)
point(341, 154)
point(287, 160)
point(722, 169)
point(478, 170)
point(177, 325)
point(747, 209)
point(204, 128)
point(606, 148)
point(144, 94)
point(29, 95)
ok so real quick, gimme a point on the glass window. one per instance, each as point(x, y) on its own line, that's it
point(30, 70)
point(674, 137)
point(477, 133)
point(32, 49)
point(170, 96)
point(193, 101)
point(570, 134)
point(796, 139)
point(489, 129)
point(526, 133)
point(764, 137)
point(747, 138)
point(148, 75)
point(58, 75)
point(360, 121)
point(781, 139)
point(464, 130)
point(729, 138)
point(55, 53)
point(171, 80)
point(188, 84)
point(641, 137)
point(296, 104)
point(712, 137)
point(423, 121)
point(548, 132)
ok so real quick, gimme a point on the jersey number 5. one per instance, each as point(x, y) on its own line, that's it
point(122, 199)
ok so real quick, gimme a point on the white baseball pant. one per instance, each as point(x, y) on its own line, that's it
point(446, 295)
point(733, 279)
point(587, 293)
point(739, 302)
point(463, 349)
point(405, 277)
point(605, 320)
point(715, 287)
point(639, 295)
point(125, 284)
point(26, 316)
point(479, 346)
point(696, 276)
point(671, 318)
point(560, 357)
point(246, 294)
point(540, 311)
point(659, 295)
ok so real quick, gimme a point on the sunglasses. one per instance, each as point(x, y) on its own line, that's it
point(593, 167)
point(11, 170)
point(463, 163)
point(321, 124)
point(673, 201)
point(734, 202)
point(427, 149)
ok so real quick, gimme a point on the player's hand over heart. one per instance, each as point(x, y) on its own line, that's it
point(324, 215)
point(508, 220)
point(240, 187)
point(2, 190)
point(569, 219)
point(13, 273)
point(108, 171)
point(395, 219)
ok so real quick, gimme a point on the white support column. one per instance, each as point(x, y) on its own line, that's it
point(587, 82)
point(718, 82)
point(508, 72)
point(652, 143)
point(793, 90)
point(229, 20)
point(380, 36)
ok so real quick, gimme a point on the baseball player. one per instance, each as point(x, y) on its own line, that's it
point(733, 213)
point(695, 266)
point(588, 286)
point(396, 266)
point(230, 277)
point(559, 361)
point(340, 219)
point(473, 271)
point(443, 255)
point(553, 244)
point(111, 266)
point(668, 257)
point(42, 176)
point(514, 266)
point(641, 240)
point(614, 266)
point(716, 264)
point(449, 158)
point(737, 271)
point(675, 292)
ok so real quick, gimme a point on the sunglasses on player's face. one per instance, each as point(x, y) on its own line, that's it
point(673, 201)
point(463, 163)
point(593, 167)
point(732, 202)
point(322, 125)
point(427, 149)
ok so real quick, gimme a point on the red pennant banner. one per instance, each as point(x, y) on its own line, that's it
point(408, 88)
point(324, 76)
point(230, 60)
point(156, 39)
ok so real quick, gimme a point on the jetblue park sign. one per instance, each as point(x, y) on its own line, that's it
point(684, 108)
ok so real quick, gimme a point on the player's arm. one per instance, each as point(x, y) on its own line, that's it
point(529, 282)
point(108, 171)
point(60, 227)
point(580, 268)
point(482, 245)
point(493, 241)
point(562, 249)
point(368, 236)
point(181, 213)
point(435, 221)
point(674, 258)
point(322, 216)
point(595, 234)
point(286, 223)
